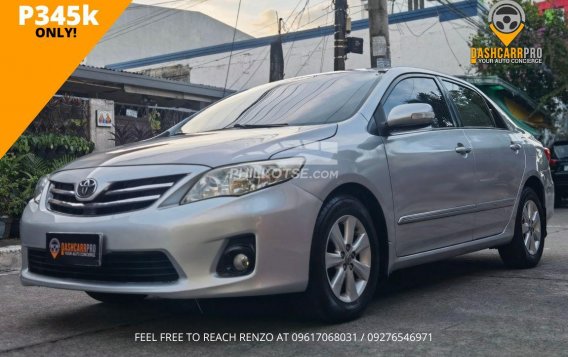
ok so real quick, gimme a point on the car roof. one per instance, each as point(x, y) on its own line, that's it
point(395, 71)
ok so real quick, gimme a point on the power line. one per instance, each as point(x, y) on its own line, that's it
point(324, 45)
point(232, 46)
point(257, 68)
point(249, 67)
point(201, 64)
point(137, 6)
point(140, 20)
point(155, 4)
point(143, 23)
point(309, 56)
point(289, 52)
point(290, 28)
point(448, 42)
point(465, 17)
point(300, 14)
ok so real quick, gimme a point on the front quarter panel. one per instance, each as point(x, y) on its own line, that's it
point(353, 156)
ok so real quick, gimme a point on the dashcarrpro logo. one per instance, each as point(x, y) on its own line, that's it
point(54, 247)
point(506, 20)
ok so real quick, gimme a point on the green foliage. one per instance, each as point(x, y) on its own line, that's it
point(52, 145)
point(154, 119)
point(546, 82)
point(30, 158)
point(14, 186)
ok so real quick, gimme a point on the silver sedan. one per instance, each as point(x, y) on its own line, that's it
point(321, 184)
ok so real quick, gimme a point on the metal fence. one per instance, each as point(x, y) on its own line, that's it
point(64, 115)
point(138, 122)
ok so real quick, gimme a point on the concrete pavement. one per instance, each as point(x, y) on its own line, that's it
point(472, 305)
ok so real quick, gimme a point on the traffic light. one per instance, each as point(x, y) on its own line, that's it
point(354, 45)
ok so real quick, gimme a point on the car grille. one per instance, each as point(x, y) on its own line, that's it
point(119, 197)
point(135, 267)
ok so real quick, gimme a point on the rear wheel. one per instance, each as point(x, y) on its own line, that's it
point(116, 298)
point(525, 250)
point(344, 264)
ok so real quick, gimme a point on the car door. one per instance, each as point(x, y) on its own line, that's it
point(431, 172)
point(499, 159)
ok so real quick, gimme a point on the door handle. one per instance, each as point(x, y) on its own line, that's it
point(462, 150)
point(515, 147)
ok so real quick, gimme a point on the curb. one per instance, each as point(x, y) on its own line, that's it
point(10, 258)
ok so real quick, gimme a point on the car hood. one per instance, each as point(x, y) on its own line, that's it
point(214, 148)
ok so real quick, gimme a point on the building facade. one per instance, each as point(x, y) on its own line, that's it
point(433, 37)
point(144, 30)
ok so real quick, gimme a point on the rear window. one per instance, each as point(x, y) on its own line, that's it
point(560, 151)
point(321, 99)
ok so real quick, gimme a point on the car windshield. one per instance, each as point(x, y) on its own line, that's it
point(320, 99)
point(561, 151)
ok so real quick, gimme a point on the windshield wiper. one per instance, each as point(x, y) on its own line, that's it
point(254, 126)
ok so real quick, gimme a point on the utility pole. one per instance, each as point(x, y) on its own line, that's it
point(340, 28)
point(277, 56)
point(379, 34)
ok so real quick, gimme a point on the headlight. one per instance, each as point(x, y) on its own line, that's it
point(43, 181)
point(241, 179)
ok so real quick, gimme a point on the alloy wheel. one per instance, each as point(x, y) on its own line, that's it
point(348, 258)
point(530, 224)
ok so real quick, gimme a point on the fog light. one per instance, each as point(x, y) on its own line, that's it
point(238, 256)
point(241, 262)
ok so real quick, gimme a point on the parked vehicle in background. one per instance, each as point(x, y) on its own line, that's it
point(559, 168)
point(322, 184)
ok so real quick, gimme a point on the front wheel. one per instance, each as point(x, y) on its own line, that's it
point(115, 298)
point(344, 264)
point(525, 250)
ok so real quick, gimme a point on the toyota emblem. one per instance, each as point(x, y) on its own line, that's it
point(86, 188)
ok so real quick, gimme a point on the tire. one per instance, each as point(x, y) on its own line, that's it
point(525, 250)
point(117, 299)
point(348, 270)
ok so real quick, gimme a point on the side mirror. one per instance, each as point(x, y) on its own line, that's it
point(410, 115)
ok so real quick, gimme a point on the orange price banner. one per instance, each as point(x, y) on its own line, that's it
point(44, 41)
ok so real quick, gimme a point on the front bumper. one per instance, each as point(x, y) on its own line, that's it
point(282, 218)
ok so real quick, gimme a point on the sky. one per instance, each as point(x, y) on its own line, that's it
point(258, 17)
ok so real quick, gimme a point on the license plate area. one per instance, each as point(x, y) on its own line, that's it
point(83, 249)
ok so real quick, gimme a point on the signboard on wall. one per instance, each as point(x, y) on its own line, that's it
point(132, 113)
point(379, 46)
point(105, 118)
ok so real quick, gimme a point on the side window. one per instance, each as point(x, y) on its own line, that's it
point(420, 90)
point(500, 122)
point(471, 107)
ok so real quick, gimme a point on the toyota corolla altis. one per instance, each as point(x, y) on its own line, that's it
point(322, 184)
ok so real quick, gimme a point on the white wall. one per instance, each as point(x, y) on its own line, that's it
point(144, 31)
point(419, 43)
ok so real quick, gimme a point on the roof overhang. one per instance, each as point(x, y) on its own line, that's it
point(135, 88)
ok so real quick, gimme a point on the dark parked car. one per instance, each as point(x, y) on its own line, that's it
point(559, 168)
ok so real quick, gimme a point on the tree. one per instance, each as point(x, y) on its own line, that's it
point(547, 82)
